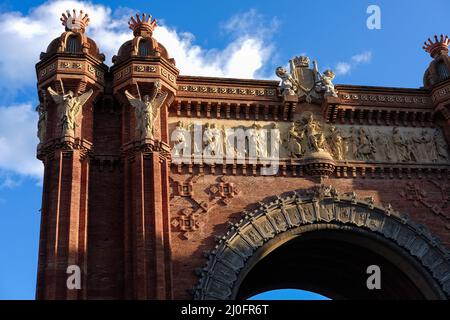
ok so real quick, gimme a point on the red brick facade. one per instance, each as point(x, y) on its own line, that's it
point(138, 224)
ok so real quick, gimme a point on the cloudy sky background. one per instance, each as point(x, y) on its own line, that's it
point(240, 39)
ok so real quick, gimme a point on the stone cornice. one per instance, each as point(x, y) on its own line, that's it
point(139, 70)
point(299, 168)
point(77, 63)
point(146, 146)
point(441, 93)
point(64, 144)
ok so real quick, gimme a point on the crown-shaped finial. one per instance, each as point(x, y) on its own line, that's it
point(143, 25)
point(438, 46)
point(74, 22)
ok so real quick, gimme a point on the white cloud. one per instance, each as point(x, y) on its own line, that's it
point(27, 35)
point(242, 58)
point(362, 57)
point(18, 143)
point(345, 67)
point(251, 23)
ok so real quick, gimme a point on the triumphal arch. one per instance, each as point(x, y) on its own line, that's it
point(166, 186)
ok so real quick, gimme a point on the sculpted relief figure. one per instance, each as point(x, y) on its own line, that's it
point(326, 84)
point(420, 147)
point(181, 136)
point(336, 143)
point(384, 149)
point(241, 150)
point(69, 107)
point(294, 141)
point(218, 138)
point(309, 135)
point(401, 146)
point(196, 130)
point(287, 82)
point(441, 147)
point(146, 110)
point(257, 141)
point(350, 144)
point(208, 140)
point(42, 122)
point(275, 141)
point(366, 148)
point(391, 144)
point(212, 140)
point(313, 132)
point(262, 141)
point(229, 135)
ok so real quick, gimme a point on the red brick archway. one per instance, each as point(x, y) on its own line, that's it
point(358, 229)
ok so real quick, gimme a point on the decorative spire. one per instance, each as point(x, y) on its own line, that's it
point(141, 26)
point(74, 22)
point(438, 47)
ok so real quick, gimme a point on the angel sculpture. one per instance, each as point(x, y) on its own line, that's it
point(146, 110)
point(69, 106)
point(326, 84)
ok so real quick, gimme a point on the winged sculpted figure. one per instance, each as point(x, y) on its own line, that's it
point(146, 110)
point(69, 107)
point(42, 122)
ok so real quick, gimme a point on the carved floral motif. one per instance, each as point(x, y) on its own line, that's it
point(383, 98)
point(228, 90)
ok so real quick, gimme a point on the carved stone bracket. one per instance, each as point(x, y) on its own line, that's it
point(147, 146)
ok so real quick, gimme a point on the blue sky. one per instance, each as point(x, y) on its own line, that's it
point(234, 39)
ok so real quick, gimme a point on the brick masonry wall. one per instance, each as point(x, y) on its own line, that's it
point(106, 202)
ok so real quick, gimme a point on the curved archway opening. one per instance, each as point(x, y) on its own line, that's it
point(73, 44)
point(288, 294)
point(332, 261)
point(325, 242)
point(144, 48)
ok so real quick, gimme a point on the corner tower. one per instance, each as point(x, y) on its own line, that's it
point(71, 77)
point(144, 83)
point(437, 80)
